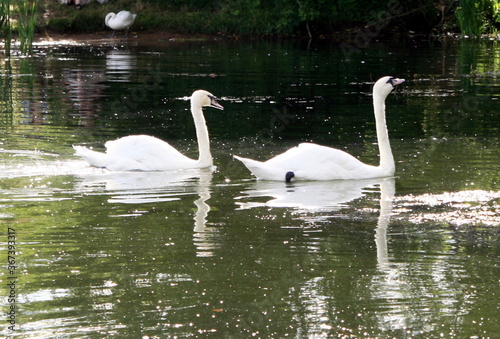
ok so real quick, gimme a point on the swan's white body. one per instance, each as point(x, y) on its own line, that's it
point(147, 153)
point(120, 21)
point(310, 161)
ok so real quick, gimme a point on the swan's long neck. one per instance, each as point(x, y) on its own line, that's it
point(109, 17)
point(205, 157)
point(386, 158)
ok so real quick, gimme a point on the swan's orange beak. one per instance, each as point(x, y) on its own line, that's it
point(215, 104)
point(397, 81)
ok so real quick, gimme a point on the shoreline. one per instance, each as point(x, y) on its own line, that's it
point(153, 38)
point(105, 38)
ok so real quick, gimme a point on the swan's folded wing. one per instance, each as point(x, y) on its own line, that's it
point(138, 145)
point(310, 155)
point(147, 153)
point(316, 162)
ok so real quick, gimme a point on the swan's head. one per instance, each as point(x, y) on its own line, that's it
point(385, 85)
point(203, 98)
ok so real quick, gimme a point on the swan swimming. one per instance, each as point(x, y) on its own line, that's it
point(120, 21)
point(309, 161)
point(147, 153)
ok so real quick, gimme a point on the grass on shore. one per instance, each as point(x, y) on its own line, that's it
point(59, 18)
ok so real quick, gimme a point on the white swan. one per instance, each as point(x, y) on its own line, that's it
point(147, 153)
point(120, 21)
point(310, 161)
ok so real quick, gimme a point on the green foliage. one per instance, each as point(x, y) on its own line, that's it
point(67, 19)
point(277, 17)
point(4, 12)
point(5, 29)
point(469, 17)
point(242, 17)
point(26, 16)
point(476, 17)
point(24, 20)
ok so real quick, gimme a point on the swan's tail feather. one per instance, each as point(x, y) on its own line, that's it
point(249, 163)
point(259, 169)
point(94, 158)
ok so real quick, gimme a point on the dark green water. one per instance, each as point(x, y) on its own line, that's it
point(199, 254)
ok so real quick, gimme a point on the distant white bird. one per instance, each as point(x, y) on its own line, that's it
point(310, 161)
point(147, 153)
point(122, 20)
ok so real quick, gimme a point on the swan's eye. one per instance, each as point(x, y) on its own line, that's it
point(390, 81)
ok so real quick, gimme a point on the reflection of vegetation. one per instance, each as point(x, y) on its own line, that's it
point(6, 100)
point(448, 113)
point(428, 165)
point(90, 262)
point(101, 263)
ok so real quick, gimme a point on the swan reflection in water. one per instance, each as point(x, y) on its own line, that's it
point(387, 192)
point(315, 294)
point(119, 64)
point(320, 196)
point(155, 187)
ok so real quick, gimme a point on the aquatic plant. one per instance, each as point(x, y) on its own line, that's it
point(27, 16)
point(5, 28)
point(25, 19)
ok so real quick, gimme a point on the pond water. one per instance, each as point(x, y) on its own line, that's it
point(202, 253)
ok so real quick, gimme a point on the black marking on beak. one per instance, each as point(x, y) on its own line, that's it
point(395, 81)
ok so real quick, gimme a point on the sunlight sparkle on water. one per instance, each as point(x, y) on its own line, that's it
point(459, 208)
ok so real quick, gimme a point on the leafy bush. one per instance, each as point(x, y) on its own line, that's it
point(280, 17)
point(477, 17)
